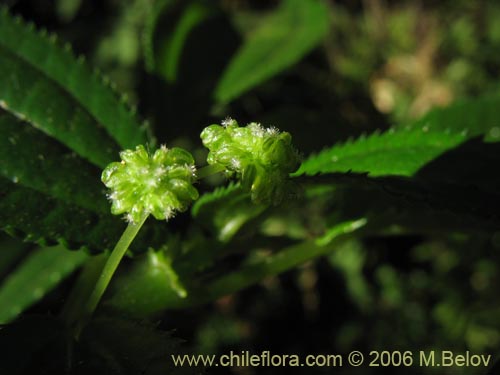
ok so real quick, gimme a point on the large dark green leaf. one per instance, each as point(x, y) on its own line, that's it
point(49, 195)
point(38, 217)
point(284, 38)
point(34, 160)
point(49, 88)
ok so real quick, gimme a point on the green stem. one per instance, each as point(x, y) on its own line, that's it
point(272, 265)
point(107, 273)
point(253, 273)
point(209, 170)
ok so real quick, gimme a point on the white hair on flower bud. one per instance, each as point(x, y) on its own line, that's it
point(228, 121)
point(169, 214)
point(272, 130)
point(257, 129)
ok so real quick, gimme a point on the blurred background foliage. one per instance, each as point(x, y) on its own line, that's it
point(340, 69)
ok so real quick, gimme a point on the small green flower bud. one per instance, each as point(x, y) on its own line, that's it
point(261, 158)
point(157, 184)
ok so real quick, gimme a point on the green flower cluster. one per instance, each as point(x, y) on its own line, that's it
point(157, 184)
point(261, 158)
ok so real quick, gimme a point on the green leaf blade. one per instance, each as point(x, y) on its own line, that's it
point(31, 97)
point(35, 277)
point(50, 195)
point(59, 66)
point(289, 34)
point(39, 162)
point(405, 150)
point(39, 218)
point(170, 54)
point(400, 153)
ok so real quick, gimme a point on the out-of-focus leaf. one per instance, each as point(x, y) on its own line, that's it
point(41, 271)
point(68, 9)
point(148, 39)
point(226, 210)
point(284, 38)
point(170, 53)
point(146, 288)
point(183, 76)
point(11, 250)
point(473, 117)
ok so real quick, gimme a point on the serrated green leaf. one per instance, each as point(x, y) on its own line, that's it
point(42, 270)
point(214, 196)
point(47, 193)
point(33, 98)
point(37, 217)
point(434, 173)
point(47, 86)
point(226, 210)
point(400, 152)
point(284, 38)
point(403, 151)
